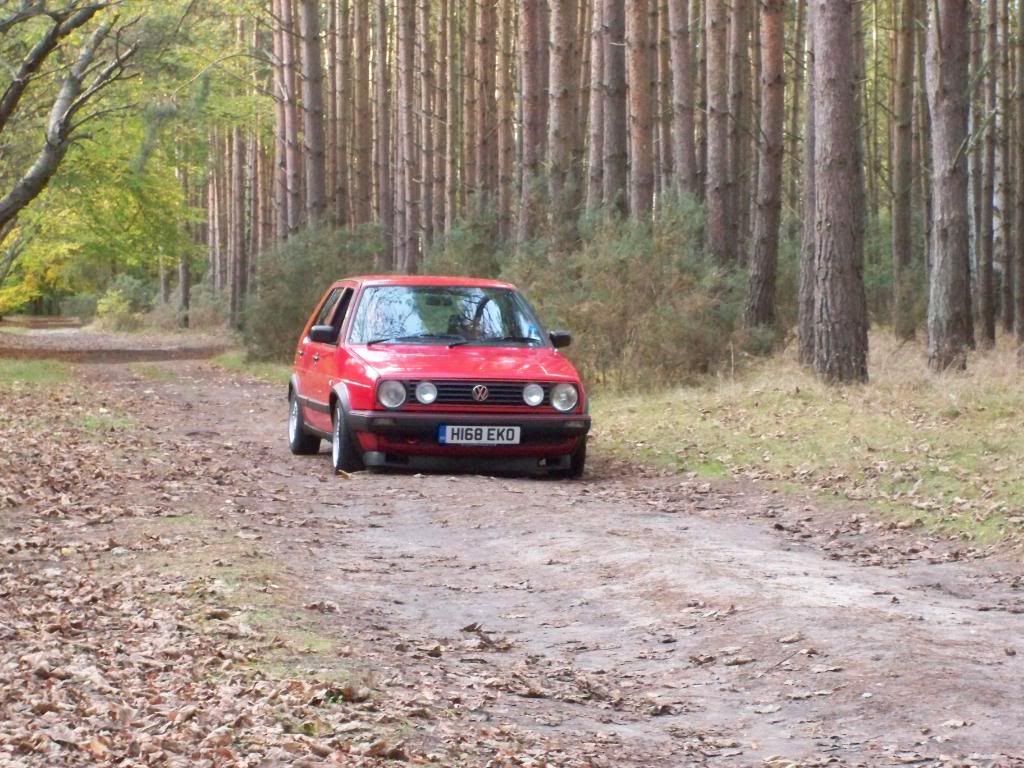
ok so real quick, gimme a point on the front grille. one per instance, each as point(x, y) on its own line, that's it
point(499, 393)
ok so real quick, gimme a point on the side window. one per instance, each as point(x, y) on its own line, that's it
point(324, 316)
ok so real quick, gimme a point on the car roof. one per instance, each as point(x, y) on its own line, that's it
point(435, 281)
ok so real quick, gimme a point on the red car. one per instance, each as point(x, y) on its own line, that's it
point(418, 371)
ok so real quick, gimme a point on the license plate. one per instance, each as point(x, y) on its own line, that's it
point(470, 435)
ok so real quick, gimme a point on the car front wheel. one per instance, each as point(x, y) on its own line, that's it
point(344, 456)
point(300, 442)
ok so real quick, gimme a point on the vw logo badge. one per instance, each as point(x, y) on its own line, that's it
point(480, 393)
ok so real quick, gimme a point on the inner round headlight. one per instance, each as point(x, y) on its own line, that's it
point(564, 397)
point(391, 394)
point(426, 392)
point(533, 394)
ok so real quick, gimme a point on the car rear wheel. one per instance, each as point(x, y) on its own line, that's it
point(344, 456)
point(300, 442)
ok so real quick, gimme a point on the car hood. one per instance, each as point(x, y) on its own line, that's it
point(412, 361)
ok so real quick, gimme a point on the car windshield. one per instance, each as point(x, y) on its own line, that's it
point(452, 316)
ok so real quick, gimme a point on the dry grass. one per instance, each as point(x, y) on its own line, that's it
point(943, 450)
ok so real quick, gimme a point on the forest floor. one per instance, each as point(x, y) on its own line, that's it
point(177, 589)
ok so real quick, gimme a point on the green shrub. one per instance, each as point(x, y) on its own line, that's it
point(137, 292)
point(293, 277)
point(114, 312)
point(649, 306)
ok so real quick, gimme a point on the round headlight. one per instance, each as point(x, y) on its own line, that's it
point(426, 392)
point(533, 394)
point(564, 397)
point(391, 394)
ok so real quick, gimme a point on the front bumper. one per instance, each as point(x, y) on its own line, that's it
point(392, 438)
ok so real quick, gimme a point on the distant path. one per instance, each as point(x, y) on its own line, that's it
point(63, 339)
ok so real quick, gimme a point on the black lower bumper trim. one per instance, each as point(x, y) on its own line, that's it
point(425, 425)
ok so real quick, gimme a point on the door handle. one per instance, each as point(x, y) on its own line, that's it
point(302, 353)
point(316, 358)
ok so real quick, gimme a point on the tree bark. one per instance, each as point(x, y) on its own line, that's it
point(506, 121)
point(1008, 246)
point(903, 175)
point(760, 310)
point(946, 67)
point(313, 129)
point(684, 161)
point(840, 307)
point(984, 297)
point(808, 247)
point(738, 101)
point(719, 209)
point(385, 188)
point(362, 126)
point(615, 132)
point(408, 248)
point(1019, 198)
point(293, 183)
point(561, 112)
point(595, 141)
point(530, 44)
point(639, 77)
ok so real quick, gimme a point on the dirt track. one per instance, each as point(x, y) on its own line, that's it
point(631, 621)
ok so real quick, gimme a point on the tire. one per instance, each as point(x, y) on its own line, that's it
point(577, 462)
point(300, 442)
point(344, 456)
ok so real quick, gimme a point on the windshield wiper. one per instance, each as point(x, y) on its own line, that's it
point(413, 337)
point(499, 340)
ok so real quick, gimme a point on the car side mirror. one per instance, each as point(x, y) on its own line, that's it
point(323, 334)
point(560, 339)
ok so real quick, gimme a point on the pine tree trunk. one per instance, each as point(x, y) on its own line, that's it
point(808, 247)
point(238, 268)
point(903, 175)
point(737, 177)
point(595, 136)
point(408, 251)
point(452, 123)
point(760, 309)
point(684, 161)
point(1019, 199)
point(639, 77)
point(697, 23)
point(615, 135)
point(1008, 246)
point(382, 104)
point(313, 111)
point(946, 67)
point(293, 178)
point(840, 306)
point(440, 116)
point(342, 66)
point(662, 44)
point(984, 299)
point(716, 184)
point(486, 161)
point(280, 128)
point(426, 111)
point(530, 44)
point(561, 110)
point(799, 70)
point(363, 127)
point(470, 87)
point(331, 94)
point(506, 121)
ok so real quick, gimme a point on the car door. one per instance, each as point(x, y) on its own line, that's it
point(307, 362)
point(327, 360)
